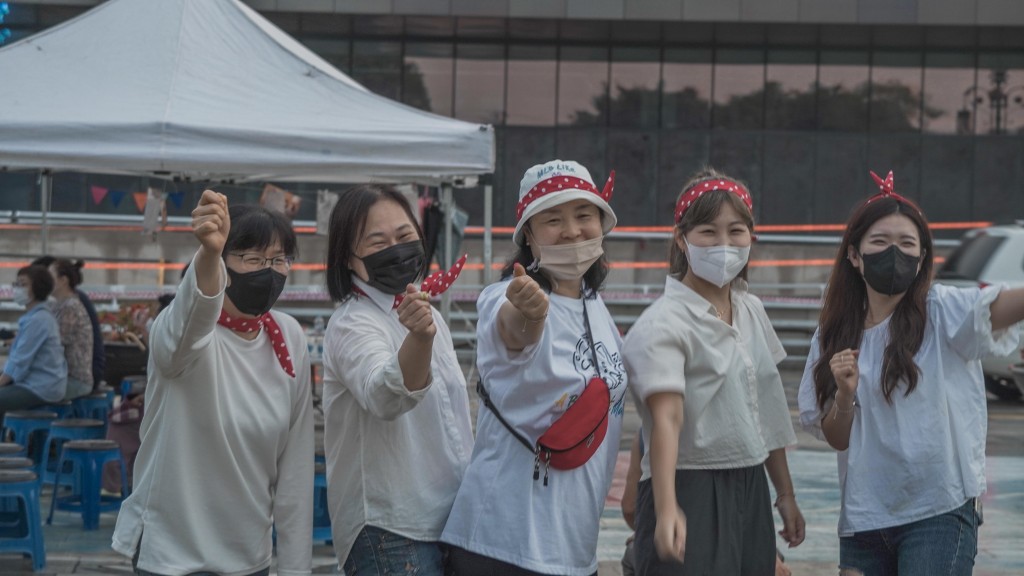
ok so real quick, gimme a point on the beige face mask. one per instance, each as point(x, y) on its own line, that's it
point(569, 261)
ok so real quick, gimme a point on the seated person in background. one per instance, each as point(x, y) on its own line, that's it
point(98, 358)
point(35, 372)
point(75, 328)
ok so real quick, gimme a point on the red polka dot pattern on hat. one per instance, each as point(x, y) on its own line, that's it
point(560, 184)
point(273, 331)
point(703, 187)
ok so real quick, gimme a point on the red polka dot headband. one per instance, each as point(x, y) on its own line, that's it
point(560, 184)
point(887, 191)
point(702, 187)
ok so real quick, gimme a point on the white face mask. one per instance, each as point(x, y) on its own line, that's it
point(570, 261)
point(717, 264)
point(21, 296)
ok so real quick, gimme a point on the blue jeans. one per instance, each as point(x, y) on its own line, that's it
point(377, 552)
point(938, 546)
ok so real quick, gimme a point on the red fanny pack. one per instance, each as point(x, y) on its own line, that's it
point(576, 435)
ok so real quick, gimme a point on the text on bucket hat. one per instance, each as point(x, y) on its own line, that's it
point(702, 187)
point(557, 182)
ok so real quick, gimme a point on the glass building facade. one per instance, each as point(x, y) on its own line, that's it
point(801, 112)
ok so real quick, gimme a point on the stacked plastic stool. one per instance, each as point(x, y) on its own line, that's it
point(62, 431)
point(321, 513)
point(10, 449)
point(64, 409)
point(88, 457)
point(25, 535)
point(96, 406)
point(29, 429)
point(9, 507)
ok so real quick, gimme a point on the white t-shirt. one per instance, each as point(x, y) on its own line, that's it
point(395, 458)
point(924, 454)
point(227, 448)
point(501, 512)
point(735, 410)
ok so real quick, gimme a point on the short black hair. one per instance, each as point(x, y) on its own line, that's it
point(348, 219)
point(255, 227)
point(72, 270)
point(40, 281)
point(44, 261)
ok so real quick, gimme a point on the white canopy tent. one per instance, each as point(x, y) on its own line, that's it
point(209, 89)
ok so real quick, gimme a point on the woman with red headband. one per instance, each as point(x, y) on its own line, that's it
point(551, 389)
point(893, 381)
point(702, 358)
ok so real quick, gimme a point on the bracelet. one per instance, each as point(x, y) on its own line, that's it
point(528, 321)
point(783, 495)
point(853, 406)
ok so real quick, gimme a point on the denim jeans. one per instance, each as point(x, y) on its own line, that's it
point(377, 552)
point(938, 546)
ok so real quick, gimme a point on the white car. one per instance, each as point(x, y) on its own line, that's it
point(993, 255)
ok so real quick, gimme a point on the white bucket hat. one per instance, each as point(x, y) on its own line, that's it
point(557, 182)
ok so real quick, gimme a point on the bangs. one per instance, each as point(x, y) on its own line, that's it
point(256, 228)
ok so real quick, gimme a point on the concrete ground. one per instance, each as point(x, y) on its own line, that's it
point(71, 550)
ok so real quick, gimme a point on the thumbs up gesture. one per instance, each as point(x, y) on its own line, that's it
point(526, 295)
point(416, 313)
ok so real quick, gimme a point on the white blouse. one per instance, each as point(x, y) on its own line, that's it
point(395, 458)
point(924, 454)
point(735, 408)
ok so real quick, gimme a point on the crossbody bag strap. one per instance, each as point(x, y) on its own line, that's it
point(590, 339)
point(486, 398)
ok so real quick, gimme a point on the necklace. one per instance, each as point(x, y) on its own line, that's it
point(721, 315)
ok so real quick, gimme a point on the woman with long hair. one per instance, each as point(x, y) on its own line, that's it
point(397, 432)
point(226, 458)
point(551, 388)
point(703, 361)
point(893, 382)
point(75, 327)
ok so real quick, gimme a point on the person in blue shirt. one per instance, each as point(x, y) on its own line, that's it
point(99, 358)
point(36, 372)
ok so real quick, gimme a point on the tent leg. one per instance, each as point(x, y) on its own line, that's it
point(488, 225)
point(45, 194)
point(448, 205)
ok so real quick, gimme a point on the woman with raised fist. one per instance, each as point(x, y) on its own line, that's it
point(551, 389)
point(227, 437)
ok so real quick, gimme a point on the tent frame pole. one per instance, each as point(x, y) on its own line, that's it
point(488, 233)
point(447, 205)
point(45, 195)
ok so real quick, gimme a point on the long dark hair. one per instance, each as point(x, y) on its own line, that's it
point(841, 325)
point(704, 211)
point(593, 278)
point(348, 220)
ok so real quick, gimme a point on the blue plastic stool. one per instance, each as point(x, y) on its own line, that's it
point(27, 535)
point(62, 431)
point(88, 457)
point(29, 428)
point(9, 507)
point(9, 449)
point(64, 409)
point(16, 463)
point(321, 513)
point(95, 406)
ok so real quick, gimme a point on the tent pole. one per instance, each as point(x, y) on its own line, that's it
point(488, 225)
point(45, 193)
point(448, 205)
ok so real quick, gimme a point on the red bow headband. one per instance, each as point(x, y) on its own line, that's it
point(711, 184)
point(560, 183)
point(886, 191)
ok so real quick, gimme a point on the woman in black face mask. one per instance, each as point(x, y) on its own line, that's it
point(893, 380)
point(397, 431)
point(227, 437)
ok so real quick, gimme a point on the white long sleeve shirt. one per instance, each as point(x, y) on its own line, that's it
point(395, 458)
point(227, 448)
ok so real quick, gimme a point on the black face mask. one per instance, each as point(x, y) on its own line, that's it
point(395, 267)
point(890, 271)
point(255, 293)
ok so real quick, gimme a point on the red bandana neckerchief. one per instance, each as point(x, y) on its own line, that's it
point(711, 184)
point(273, 331)
point(435, 284)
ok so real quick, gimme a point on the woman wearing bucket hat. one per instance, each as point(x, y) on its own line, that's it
point(703, 499)
point(551, 386)
point(893, 381)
